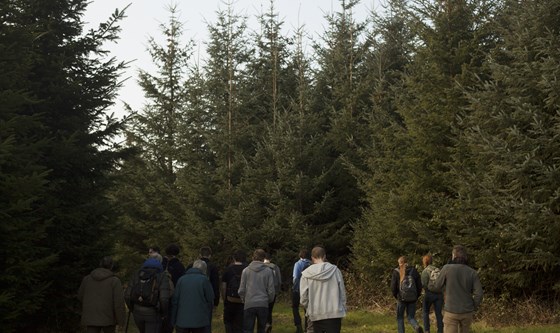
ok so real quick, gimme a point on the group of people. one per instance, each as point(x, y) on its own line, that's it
point(164, 295)
point(455, 292)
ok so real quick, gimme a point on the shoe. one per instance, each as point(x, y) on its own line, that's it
point(268, 328)
point(419, 329)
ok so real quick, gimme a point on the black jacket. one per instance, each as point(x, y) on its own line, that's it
point(395, 281)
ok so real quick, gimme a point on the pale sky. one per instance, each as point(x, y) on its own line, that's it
point(145, 16)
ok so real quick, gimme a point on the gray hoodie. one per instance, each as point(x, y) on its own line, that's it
point(322, 292)
point(257, 285)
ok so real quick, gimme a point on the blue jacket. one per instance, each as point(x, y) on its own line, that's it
point(299, 266)
point(192, 300)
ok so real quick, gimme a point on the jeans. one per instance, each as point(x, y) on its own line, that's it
point(437, 300)
point(457, 322)
point(270, 307)
point(332, 325)
point(295, 308)
point(252, 314)
point(410, 308)
point(190, 330)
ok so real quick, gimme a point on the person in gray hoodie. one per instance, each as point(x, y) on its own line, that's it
point(462, 292)
point(101, 295)
point(256, 291)
point(322, 293)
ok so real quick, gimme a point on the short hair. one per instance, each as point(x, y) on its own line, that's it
point(106, 262)
point(459, 252)
point(304, 253)
point(318, 252)
point(427, 259)
point(200, 264)
point(154, 248)
point(239, 256)
point(172, 250)
point(259, 255)
point(205, 251)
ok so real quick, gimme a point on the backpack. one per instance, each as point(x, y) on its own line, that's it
point(145, 291)
point(233, 284)
point(434, 273)
point(407, 289)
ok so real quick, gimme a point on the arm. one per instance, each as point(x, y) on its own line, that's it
point(175, 303)
point(296, 272)
point(477, 291)
point(270, 289)
point(425, 277)
point(418, 282)
point(118, 302)
point(242, 286)
point(342, 288)
point(209, 294)
point(304, 292)
point(164, 295)
point(81, 291)
point(395, 284)
point(215, 281)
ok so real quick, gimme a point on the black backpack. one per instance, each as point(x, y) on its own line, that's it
point(233, 284)
point(146, 290)
point(407, 288)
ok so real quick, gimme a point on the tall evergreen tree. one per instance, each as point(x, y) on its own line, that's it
point(507, 173)
point(149, 195)
point(58, 133)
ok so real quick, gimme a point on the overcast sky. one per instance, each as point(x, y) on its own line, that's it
point(145, 16)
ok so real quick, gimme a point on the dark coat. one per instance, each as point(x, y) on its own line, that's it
point(192, 300)
point(395, 281)
point(101, 295)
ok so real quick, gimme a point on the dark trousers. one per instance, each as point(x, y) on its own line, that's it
point(147, 323)
point(295, 308)
point(233, 317)
point(99, 329)
point(270, 307)
point(332, 325)
point(254, 314)
point(437, 300)
point(190, 330)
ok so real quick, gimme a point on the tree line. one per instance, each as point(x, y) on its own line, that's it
point(428, 124)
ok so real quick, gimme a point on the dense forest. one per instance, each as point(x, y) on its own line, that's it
point(429, 124)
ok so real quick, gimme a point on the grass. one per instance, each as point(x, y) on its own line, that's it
point(362, 321)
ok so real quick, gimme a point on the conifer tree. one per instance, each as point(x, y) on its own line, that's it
point(149, 194)
point(58, 133)
point(507, 172)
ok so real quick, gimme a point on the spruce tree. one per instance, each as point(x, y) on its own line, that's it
point(58, 133)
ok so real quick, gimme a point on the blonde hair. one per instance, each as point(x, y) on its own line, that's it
point(402, 267)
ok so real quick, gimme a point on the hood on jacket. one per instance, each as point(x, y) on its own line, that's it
point(100, 274)
point(257, 266)
point(153, 263)
point(322, 271)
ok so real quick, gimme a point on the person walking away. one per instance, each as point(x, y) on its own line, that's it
point(147, 296)
point(277, 288)
point(299, 267)
point(174, 269)
point(192, 301)
point(462, 292)
point(256, 291)
point(323, 294)
point(431, 295)
point(102, 299)
point(233, 306)
point(205, 254)
point(406, 287)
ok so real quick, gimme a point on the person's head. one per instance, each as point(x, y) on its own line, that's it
point(318, 254)
point(172, 250)
point(239, 256)
point(200, 264)
point(205, 252)
point(459, 254)
point(106, 262)
point(427, 260)
point(303, 253)
point(259, 254)
point(153, 250)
